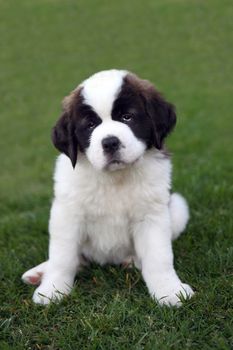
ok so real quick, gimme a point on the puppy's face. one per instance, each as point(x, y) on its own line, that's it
point(113, 118)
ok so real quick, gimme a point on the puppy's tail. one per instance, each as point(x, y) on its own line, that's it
point(179, 213)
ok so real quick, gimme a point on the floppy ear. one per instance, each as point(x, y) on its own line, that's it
point(64, 139)
point(162, 115)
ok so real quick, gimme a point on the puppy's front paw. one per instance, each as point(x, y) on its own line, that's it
point(52, 291)
point(174, 296)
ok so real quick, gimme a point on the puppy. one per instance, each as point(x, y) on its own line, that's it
point(112, 201)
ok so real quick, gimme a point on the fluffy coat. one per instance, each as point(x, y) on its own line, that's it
point(112, 200)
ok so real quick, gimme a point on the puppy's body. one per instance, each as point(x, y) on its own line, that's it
point(115, 203)
point(110, 205)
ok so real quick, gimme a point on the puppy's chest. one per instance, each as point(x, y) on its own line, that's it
point(105, 236)
point(107, 224)
point(104, 199)
point(115, 198)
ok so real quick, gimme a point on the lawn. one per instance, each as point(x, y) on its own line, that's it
point(186, 49)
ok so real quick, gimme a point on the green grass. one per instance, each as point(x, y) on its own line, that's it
point(186, 49)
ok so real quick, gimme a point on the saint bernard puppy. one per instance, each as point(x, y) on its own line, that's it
point(112, 201)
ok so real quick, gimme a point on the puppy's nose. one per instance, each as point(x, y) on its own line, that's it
point(110, 144)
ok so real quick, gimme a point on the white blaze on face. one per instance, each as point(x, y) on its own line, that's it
point(101, 89)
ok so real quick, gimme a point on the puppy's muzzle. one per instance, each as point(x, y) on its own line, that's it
point(110, 145)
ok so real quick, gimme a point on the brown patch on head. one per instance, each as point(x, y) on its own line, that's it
point(161, 113)
point(73, 98)
point(141, 85)
point(63, 135)
point(73, 129)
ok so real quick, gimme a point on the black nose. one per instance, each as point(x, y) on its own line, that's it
point(110, 144)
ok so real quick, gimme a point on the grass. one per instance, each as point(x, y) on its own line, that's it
point(185, 48)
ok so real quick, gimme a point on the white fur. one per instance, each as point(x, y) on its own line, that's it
point(101, 89)
point(109, 216)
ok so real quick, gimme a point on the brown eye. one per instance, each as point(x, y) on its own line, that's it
point(90, 125)
point(127, 117)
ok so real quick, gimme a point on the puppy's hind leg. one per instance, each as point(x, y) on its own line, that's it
point(34, 275)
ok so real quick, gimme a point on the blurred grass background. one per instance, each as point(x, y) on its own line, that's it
point(185, 48)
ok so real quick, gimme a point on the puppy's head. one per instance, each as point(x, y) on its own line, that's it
point(113, 118)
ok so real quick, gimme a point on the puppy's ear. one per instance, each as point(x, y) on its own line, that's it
point(64, 138)
point(162, 115)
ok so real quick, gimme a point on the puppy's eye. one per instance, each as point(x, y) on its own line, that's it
point(127, 117)
point(90, 125)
